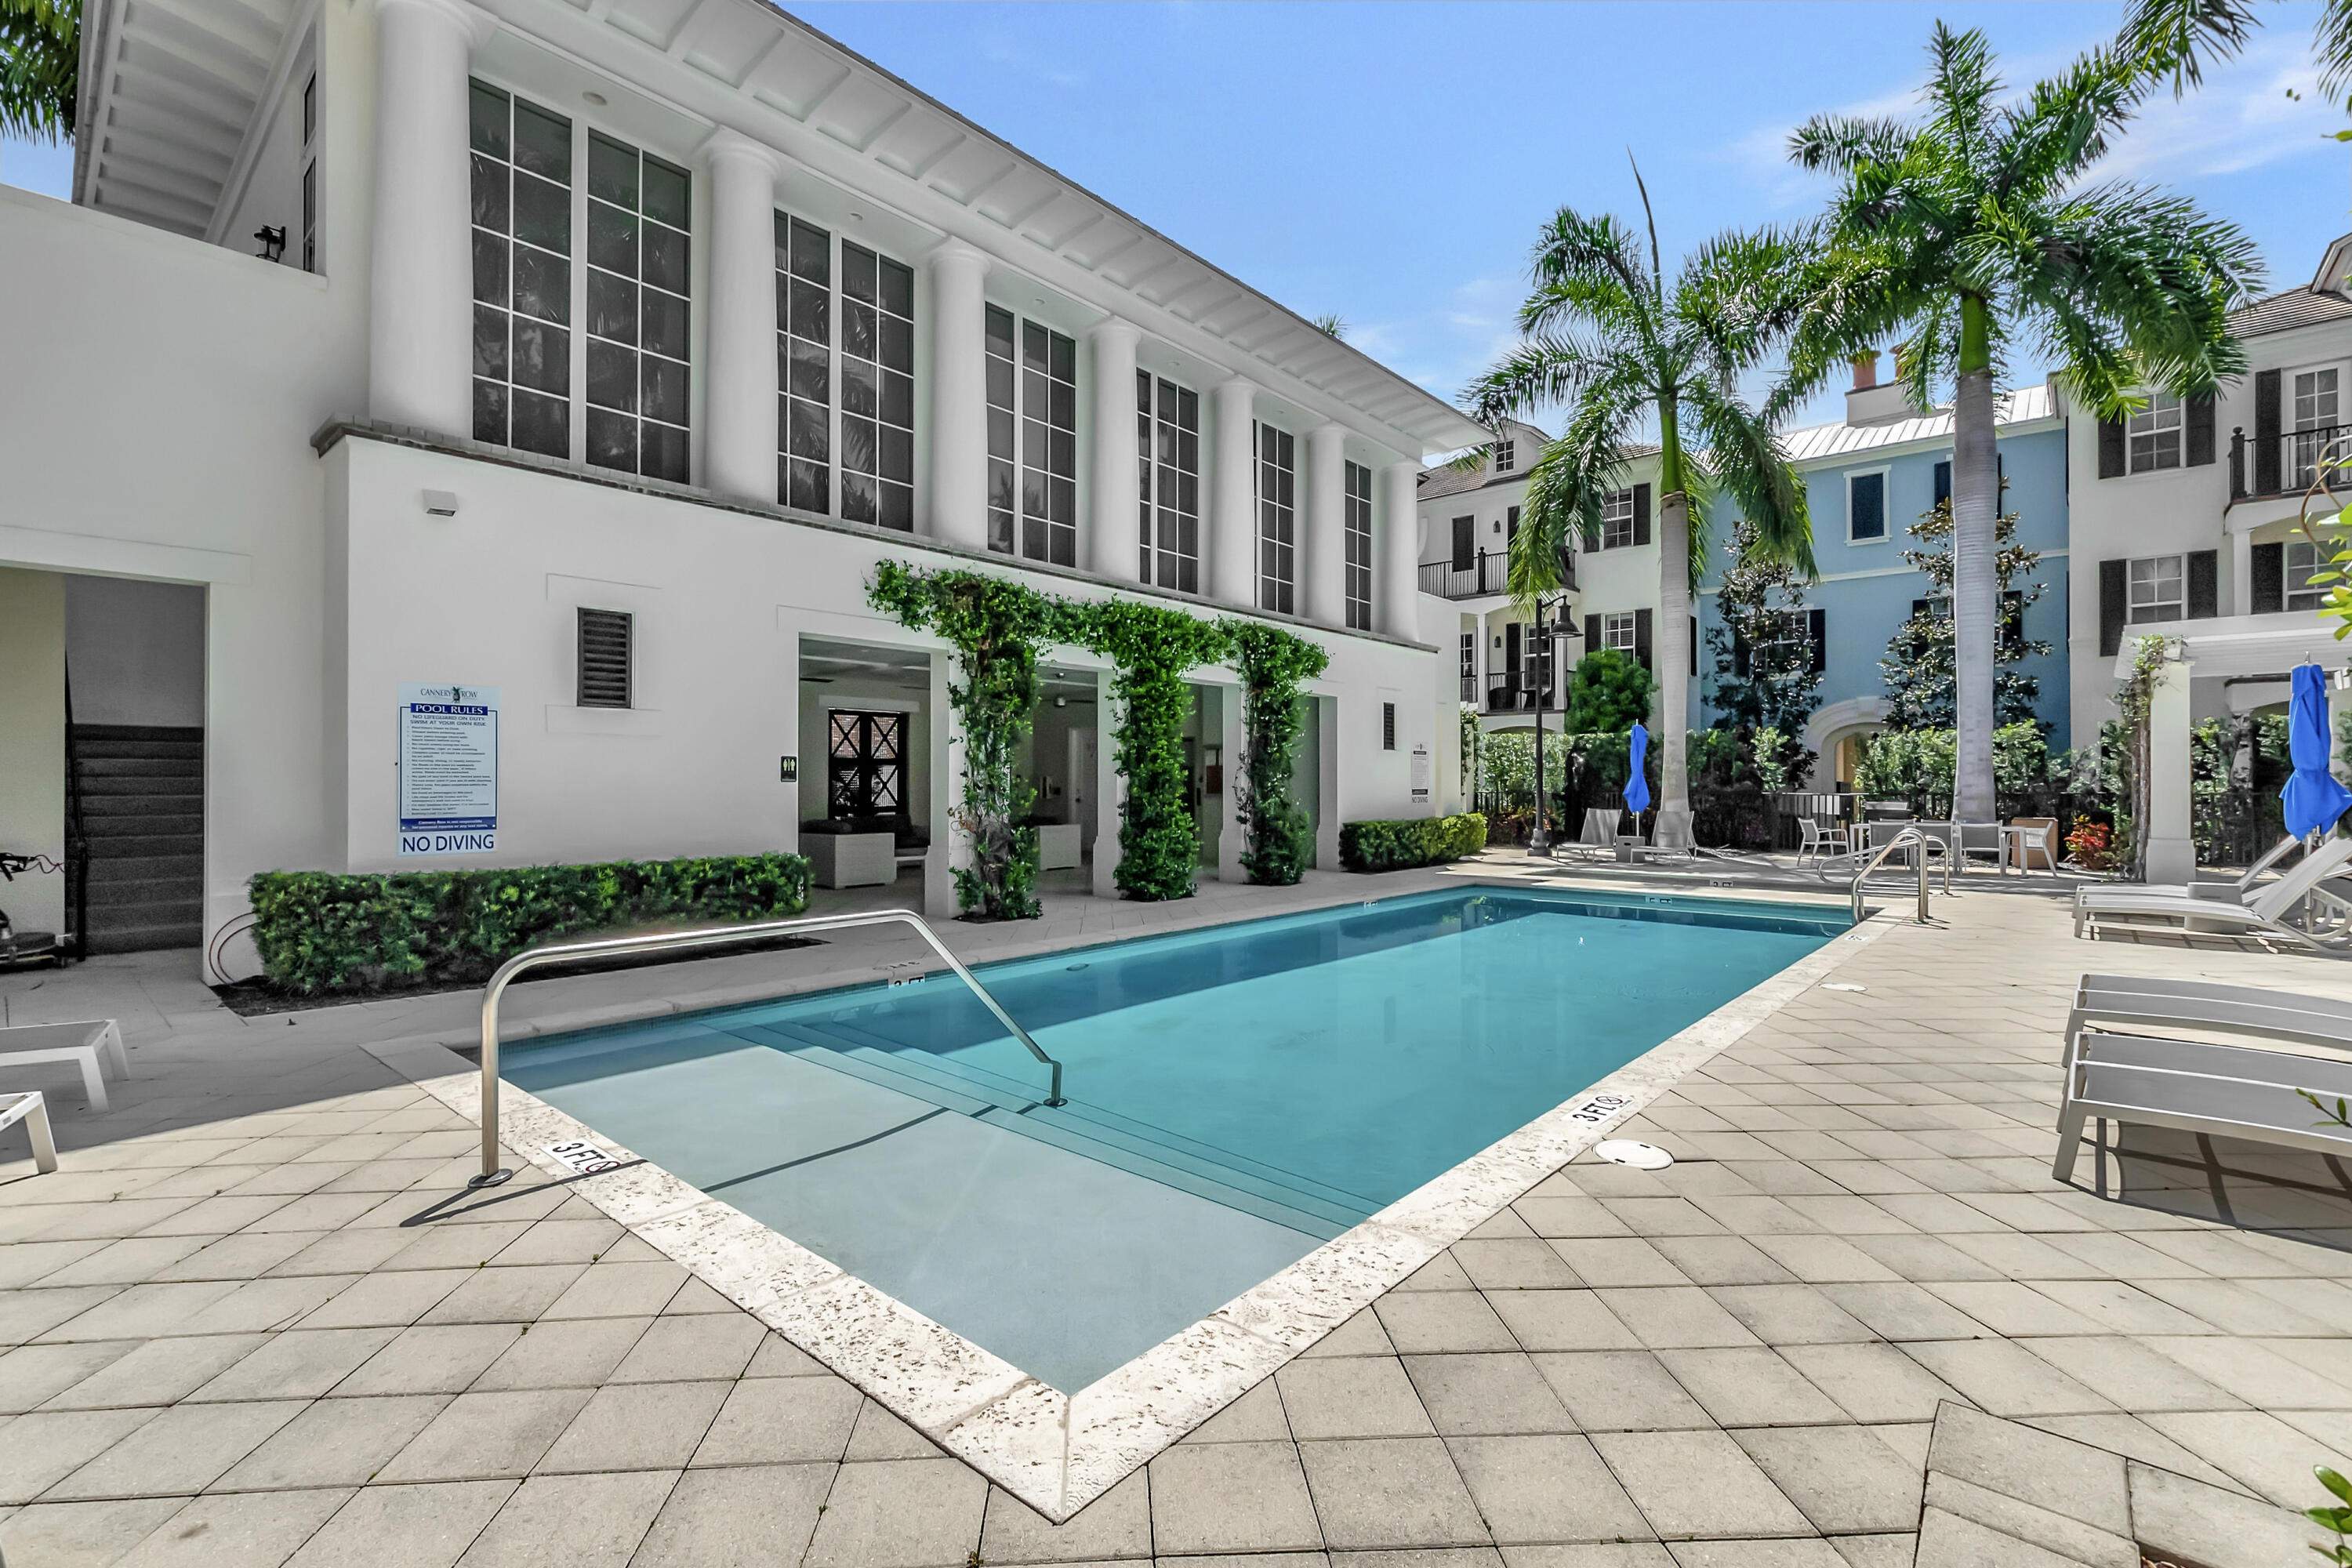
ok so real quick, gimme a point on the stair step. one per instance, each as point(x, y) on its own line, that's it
point(125, 824)
point(105, 870)
point(1097, 1122)
point(112, 803)
point(118, 732)
point(1224, 1171)
point(913, 1088)
point(1184, 1178)
point(923, 1067)
point(143, 845)
point(146, 939)
point(98, 771)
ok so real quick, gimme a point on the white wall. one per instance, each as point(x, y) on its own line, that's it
point(135, 651)
point(33, 743)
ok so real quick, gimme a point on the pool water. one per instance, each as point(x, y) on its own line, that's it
point(1236, 1096)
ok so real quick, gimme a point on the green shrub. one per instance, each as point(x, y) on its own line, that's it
point(1608, 692)
point(335, 931)
point(1396, 844)
point(1278, 837)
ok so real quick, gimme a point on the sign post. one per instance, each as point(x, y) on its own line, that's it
point(448, 769)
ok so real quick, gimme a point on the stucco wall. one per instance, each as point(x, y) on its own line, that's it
point(33, 743)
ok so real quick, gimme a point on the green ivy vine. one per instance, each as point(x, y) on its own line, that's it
point(1153, 647)
point(1272, 663)
point(996, 626)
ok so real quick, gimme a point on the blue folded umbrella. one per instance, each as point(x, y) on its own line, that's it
point(1637, 787)
point(2313, 798)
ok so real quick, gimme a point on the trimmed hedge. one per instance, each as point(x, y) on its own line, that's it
point(332, 932)
point(1396, 844)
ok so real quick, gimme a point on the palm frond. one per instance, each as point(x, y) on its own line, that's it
point(2331, 46)
point(1840, 143)
point(1745, 458)
point(1542, 372)
point(1572, 481)
point(2065, 125)
point(1741, 294)
point(1963, 92)
point(2173, 39)
point(1588, 268)
point(40, 60)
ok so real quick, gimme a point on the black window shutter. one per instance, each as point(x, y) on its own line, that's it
point(1592, 634)
point(1641, 514)
point(1919, 607)
point(2201, 431)
point(2270, 579)
point(2111, 606)
point(2012, 621)
point(1511, 650)
point(1694, 652)
point(1641, 638)
point(2204, 584)
point(2267, 478)
point(1943, 482)
point(1738, 655)
point(2111, 448)
point(1464, 531)
point(1819, 629)
point(604, 639)
point(1511, 526)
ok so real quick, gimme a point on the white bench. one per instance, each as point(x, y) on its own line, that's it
point(89, 1044)
point(30, 1109)
point(1058, 845)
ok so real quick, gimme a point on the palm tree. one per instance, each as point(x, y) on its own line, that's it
point(40, 49)
point(1963, 232)
point(2162, 38)
point(1604, 335)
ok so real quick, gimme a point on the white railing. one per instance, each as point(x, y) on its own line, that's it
point(492, 1172)
point(1912, 837)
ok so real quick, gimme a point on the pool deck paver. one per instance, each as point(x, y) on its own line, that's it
point(1855, 1325)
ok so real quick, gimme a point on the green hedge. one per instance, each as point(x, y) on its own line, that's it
point(332, 932)
point(1395, 845)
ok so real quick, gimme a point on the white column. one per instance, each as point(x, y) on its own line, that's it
point(2171, 846)
point(959, 397)
point(949, 846)
point(1110, 787)
point(1113, 531)
point(1232, 836)
point(739, 447)
point(1324, 542)
point(1396, 592)
point(2241, 574)
point(1231, 575)
point(420, 290)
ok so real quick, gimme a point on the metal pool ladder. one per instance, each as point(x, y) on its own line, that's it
point(1909, 835)
point(492, 1173)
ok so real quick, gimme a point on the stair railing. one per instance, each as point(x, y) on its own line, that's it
point(1909, 837)
point(492, 1172)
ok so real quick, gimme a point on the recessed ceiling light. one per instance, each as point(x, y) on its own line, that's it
point(859, 217)
point(596, 99)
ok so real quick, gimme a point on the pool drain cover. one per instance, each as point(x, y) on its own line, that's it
point(1640, 1156)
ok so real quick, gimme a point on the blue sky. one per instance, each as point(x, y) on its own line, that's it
point(1391, 161)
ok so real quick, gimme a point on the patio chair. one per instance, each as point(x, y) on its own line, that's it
point(2195, 1086)
point(1673, 833)
point(2260, 917)
point(92, 1045)
point(1977, 840)
point(2025, 848)
point(2164, 1002)
point(28, 1107)
point(1598, 841)
point(1811, 842)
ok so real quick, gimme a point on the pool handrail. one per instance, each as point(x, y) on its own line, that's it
point(492, 1172)
point(1908, 835)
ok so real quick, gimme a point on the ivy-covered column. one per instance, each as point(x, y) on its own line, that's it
point(1153, 646)
point(1111, 795)
point(943, 767)
point(1233, 824)
point(1270, 824)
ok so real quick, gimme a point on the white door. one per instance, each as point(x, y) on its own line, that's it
point(1082, 784)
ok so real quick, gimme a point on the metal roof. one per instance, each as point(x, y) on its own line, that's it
point(1817, 443)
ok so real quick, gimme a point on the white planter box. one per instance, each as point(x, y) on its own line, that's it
point(1058, 845)
point(851, 859)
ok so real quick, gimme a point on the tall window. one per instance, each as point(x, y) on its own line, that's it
point(1469, 664)
point(1032, 431)
point(877, 390)
point(523, 274)
point(1167, 453)
point(2158, 589)
point(638, 214)
point(1278, 519)
point(2154, 435)
point(1358, 529)
point(310, 174)
point(2303, 559)
point(1617, 520)
point(804, 365)
point(2314, 423)
point(1865, 508)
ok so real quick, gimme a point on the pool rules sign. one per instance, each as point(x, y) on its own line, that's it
point(448, 769)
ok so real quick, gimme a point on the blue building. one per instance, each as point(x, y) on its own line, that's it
point(1868, 478)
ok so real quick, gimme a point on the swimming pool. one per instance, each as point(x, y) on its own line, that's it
point(1236, 1096)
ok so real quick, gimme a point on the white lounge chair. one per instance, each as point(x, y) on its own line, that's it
point(2143, 1001)
point(90, 1045)
point(30, 1109)
point(2240, 889)
point(1599, 839)
point(2260, 916)
point(2197, 1086)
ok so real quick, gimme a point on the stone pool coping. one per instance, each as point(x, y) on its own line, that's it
point(1058, 1452)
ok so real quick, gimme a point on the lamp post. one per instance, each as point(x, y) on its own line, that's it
point(1542, 657)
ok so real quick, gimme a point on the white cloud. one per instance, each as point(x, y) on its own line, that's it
point(2240, 118)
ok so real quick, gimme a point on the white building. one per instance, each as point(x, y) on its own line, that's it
point(605, 355)
point(2184, 517)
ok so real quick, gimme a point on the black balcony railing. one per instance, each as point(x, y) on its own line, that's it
point(2287, 464)
point(1486, 573)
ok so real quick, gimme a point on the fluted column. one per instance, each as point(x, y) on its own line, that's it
point(1232, 503)
point(421, 288)
point(959, 395)
point(1113, 525)
point(1324, 569)
point(739, 448)
point(1396, 593)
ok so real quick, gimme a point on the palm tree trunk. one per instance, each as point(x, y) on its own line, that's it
point(1671, 646)
point(1975, 497)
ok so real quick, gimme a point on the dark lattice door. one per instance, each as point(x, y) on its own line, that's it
point(866, 763)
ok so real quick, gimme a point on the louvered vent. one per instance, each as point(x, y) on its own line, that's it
point(604, 639)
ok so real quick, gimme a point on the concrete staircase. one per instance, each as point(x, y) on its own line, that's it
point(140, 797)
